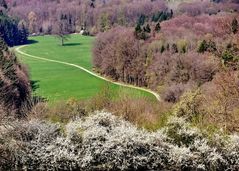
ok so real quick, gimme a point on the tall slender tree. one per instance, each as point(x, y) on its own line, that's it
point(22, 26)
point(157, 27)
point(32, 19)
point(234, 26)
point(61, 30)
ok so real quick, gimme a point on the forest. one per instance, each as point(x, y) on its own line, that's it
point(158, 87)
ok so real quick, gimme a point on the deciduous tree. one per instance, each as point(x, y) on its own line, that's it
point(32, 19)
point(14, 83)
point(61, 29)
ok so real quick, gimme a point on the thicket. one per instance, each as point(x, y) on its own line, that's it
point(15, 88)
point(185, 51)
point(105, 142)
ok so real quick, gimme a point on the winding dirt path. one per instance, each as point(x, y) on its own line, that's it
point(18, 50)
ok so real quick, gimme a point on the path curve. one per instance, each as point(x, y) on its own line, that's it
point(89, 72)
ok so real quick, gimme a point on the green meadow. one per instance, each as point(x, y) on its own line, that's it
point(61, 82)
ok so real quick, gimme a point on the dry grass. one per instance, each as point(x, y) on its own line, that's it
point(62, 111)
point(140, 111)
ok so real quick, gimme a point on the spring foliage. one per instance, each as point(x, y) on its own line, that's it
point(102, 141)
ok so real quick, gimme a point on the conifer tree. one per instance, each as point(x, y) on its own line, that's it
point(174, 48)
point(157, 27)
point(147, 28)
point(137, 30)
point(11, 31)
point(202, 47)
point(234, 26)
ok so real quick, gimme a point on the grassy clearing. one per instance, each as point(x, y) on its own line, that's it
point(61, 82)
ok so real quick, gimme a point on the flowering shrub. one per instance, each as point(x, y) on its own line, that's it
point(105, 142)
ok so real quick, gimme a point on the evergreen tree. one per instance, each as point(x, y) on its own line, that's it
point(92, 4)
point(234, 26)
point(184, 49)
point(202, 47)
point(167, 47)
point(162, 49)
point(163, 17)
point(22, 26)
point(156, 16)
point(174, 48)
point(147, 28)
point(141, 34)
point(157, 27)
point(171, 13)
point(138, 30)
point(141, 20)
point(10, 31)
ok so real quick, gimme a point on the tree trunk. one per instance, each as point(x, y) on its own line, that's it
point(62, 41)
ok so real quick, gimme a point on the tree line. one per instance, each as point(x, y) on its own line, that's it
point(179, 55)
point(192, 66)
point(94, 16)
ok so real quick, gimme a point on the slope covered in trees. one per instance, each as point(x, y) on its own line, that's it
point(182, 54)
point(186, 50)
point(101, 15)
point(93, 16)
point(15, 89)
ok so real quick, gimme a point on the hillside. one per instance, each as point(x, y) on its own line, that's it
point(119, 85)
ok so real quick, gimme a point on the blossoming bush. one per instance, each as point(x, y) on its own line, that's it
point(102, 141)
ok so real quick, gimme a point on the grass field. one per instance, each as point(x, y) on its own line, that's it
point(62, 82)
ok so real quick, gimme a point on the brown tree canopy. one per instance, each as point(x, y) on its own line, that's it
point(15, 86)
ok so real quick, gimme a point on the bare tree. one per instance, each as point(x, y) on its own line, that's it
point(61, 30)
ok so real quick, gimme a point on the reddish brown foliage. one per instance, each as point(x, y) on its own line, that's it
point(222, 100)
point(14, 83)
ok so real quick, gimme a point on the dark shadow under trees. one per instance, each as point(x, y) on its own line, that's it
point(72, 44)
